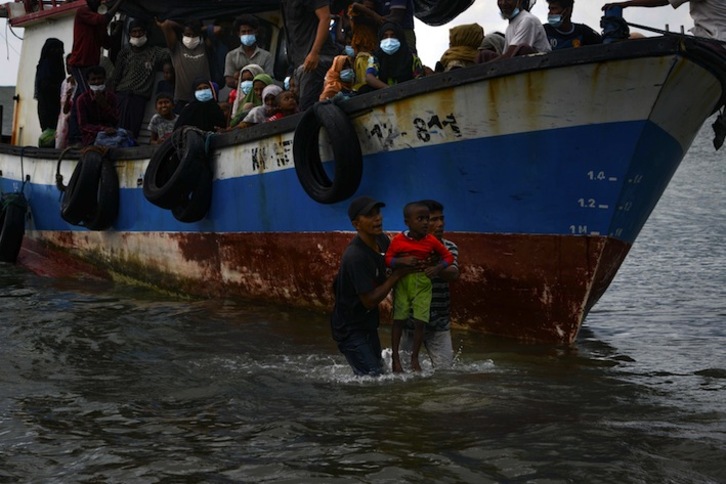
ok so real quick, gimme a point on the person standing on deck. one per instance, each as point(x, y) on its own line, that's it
point(709, 16)
point(310, 46)
point(525, 33)
point(247, 27)
point(562, 33)
point(360, 286)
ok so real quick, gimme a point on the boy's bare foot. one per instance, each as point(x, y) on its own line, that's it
point(396, 366)
point(415, 365)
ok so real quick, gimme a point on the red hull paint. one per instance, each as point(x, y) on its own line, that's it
point(532, 288)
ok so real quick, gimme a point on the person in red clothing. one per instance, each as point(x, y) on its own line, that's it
point(97, 108)
point(89, 36)
point(412, 293)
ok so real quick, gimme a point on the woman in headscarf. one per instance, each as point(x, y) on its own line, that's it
point(259, 114)
point(339, 78)
point(204, 112)
point(464, 42)
point(246, 77)
point(49, 75)
point(393, 62)
point(253, 97)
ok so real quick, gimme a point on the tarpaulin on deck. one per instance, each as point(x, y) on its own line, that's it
point(432, 12)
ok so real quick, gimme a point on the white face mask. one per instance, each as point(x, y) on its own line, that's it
point(138, 41)
point(191, 42)
point(98, 88)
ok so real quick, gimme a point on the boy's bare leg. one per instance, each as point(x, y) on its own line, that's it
point(396, 333)
point(418, 336)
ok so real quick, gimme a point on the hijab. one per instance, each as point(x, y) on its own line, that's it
point(333, 84)
point(399, 65)
point(51, 69)
point(253, 69)
point(259, 114)
point(206, 116)
point(464, 42)
point(251, 97)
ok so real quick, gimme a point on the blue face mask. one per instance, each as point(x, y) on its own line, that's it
point(349, 51)
point(390, 46)
point(204, 95)
point(246, 87)
point(286, 83)
point(347, 75)
point(554, 20)
point(248, 39)
point(514, 13)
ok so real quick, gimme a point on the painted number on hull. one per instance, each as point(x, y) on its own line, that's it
point(425, 128)
point(600, 176)
point(578, 229)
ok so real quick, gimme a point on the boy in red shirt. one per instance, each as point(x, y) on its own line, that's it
point(412, 293)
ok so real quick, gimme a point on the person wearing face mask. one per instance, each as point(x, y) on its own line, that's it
point(393, 62)
point(246, 82)
point(188, 56)
point(562, 33)
point(96, 109)
point(204, 112)
point(134, 74)
point(339, 79)
point(247, 27)
point(525, 33)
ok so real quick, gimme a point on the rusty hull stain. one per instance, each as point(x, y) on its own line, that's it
point(534, 288)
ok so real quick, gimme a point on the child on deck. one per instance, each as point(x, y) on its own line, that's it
point(412, 293)
point(285, 105)
point(162, 123)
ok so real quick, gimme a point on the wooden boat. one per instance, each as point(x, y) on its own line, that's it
point(548, 166)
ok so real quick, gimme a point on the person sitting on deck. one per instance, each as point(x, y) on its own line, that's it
point(562, 33)
point(339, 79)
point(393, 62)
point(162, 123)
point(260, 114)
point(525, 33)
point(204, 112)
point(285, 105)
point(464, 43)
point(97, 108)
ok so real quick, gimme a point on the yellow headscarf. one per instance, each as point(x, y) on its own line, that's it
point(464, 42)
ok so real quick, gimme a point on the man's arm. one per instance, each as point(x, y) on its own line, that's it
point(168, 28)
point(373, 298)
point(313, 58)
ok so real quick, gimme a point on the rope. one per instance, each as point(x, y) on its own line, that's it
point(58, 177)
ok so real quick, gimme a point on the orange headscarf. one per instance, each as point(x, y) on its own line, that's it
point(333, 84)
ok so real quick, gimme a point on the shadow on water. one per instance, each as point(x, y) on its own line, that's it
point(108, 383)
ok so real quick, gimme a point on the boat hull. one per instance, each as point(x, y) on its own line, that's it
point(548, 168)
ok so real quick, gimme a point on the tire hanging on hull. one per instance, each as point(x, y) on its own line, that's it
point(348, 158)
point(13, 207)
point(91, 198)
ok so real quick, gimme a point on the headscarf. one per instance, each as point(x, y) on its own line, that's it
point(251, 97)
point(259, 114)
point(464, 42)
point(253, 69)
point(51, 69)
point(493, 42)
point(206, 116)
point(398, 66)
point(333, 84)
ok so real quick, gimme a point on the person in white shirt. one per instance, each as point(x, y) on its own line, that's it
point(524, 28)
point(709, 16)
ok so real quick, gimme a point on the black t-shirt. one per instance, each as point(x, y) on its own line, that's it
point(361, 270)
point(581, 35)
point(301, 24)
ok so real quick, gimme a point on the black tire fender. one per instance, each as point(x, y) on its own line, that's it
point(13, 208)
point(195, 205)
point(79, 198)
point(348, 158)
point(174, 168)
point(107, 199)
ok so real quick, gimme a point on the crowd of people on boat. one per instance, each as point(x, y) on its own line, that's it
point(217, 76)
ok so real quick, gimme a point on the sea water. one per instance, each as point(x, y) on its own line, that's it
point(101, 382)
